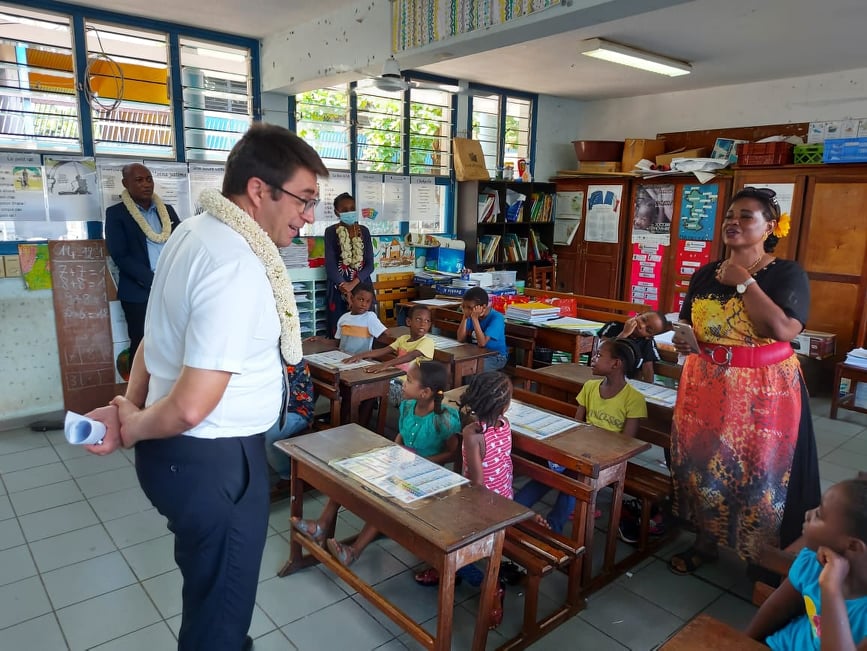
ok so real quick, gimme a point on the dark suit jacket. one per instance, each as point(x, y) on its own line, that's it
point(127, 246)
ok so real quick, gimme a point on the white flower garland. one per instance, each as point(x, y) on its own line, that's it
point(165, 221)
point(265, 249)
point(351, 249)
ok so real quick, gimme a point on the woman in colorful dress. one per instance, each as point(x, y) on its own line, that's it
point(348, 258)
point(744, 460)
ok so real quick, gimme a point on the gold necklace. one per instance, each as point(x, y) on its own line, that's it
point(754, 264)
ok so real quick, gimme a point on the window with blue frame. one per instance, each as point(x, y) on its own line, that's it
point(502, 123)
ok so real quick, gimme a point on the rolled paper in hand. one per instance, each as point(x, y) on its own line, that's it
point(81, 430)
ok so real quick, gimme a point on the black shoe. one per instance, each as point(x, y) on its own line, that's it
point(248, 644)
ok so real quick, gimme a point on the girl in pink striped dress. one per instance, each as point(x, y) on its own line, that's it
point(487, 442)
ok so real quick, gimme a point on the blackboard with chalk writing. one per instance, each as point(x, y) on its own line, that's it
point(78, 277)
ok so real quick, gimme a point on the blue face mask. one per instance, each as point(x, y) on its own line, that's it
point(349, 217)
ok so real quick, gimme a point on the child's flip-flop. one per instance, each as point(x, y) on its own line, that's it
point(343, 553)
point(309, 528)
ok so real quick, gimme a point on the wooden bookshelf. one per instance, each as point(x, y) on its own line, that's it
point(510, 237)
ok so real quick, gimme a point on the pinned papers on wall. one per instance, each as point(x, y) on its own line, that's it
point(329, 189)
point(109, 172)
point(204, 176)
point(646, 277)
point(603, 213)
point(425, 200)
point(369, 195)
point(395, 199)
point(698, 212)
point(172, 183)
point(22, 196)
point(72, 189)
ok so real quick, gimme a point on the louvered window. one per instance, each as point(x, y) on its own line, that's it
point(217, 107)
point(380, 131)
point(322, 119)
point(38, 101)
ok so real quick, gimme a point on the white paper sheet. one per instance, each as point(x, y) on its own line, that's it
point(335, 359)
point(537, 423)
point(81, 430)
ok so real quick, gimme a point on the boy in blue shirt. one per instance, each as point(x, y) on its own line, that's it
point(823, 602)
point(483, 326)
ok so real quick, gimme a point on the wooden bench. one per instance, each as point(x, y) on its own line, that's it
point(651, 486)
point(595, 308)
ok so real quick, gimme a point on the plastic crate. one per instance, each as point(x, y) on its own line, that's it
point(809, 154)
point(852, 150)
point(753, 154)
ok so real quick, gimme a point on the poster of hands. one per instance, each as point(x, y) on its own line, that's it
point(651, 214)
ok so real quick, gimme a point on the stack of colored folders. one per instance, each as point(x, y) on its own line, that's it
point(532, 313)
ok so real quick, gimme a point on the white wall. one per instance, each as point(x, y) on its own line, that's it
point(28, 353)
point(831, 96)
point(556, 123)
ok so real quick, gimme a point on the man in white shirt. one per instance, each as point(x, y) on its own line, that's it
point(206, 382)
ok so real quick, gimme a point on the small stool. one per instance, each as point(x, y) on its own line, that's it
point(855, 375)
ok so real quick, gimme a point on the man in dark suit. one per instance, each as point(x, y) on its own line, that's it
point(136, 229)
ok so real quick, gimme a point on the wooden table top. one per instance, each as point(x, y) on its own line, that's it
point(449, 520)
point(456, 353)
point(349, 376)
point(585, 448)
point(704, 633)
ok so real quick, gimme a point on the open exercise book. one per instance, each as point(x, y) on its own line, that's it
point(335, 359)
point(399, 473)
point(537, 423)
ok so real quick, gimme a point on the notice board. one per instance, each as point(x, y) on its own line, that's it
point(81, 314)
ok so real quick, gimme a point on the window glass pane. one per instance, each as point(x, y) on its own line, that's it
point(517, 136)
point(322, 119)
point(486, 128)
point(429, 131)
point(380, 126)
point(38, 100)
point(217, 98)
point(128, 81)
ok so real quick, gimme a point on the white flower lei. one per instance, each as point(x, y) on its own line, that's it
point(150, 233)
point(351, 249)
point(265, 249)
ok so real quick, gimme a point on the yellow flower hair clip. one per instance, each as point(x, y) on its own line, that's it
point(784, 223)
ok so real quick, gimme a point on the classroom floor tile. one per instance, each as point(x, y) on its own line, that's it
point(78, 536)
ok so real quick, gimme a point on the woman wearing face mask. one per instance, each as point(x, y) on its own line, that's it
point(348, 258)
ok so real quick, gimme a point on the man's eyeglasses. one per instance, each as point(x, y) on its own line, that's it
point(309, 204)
point(767, 193)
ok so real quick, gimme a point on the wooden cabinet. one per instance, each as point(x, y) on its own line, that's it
point(674, 226)
point(513, 240)
point(829, 239)
point(592, 268)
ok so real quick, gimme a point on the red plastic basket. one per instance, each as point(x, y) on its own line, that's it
point(752, 154)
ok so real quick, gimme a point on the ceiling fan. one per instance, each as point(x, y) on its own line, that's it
point(392, 80)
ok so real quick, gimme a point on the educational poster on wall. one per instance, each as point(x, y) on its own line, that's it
point(368, 196)
point(172, 184)
point(72, 189)
point(425, 204)
point(109, 171)
point(395, 199)
point(651, 214)
point(330, 188)
point(698, 212)
point(691, 255)
point(569, 212)
point(119, 342)
point(646, 277)
point(22, 188)
point(204, 176)
point(603, 213)
point(33, 259)
point(393, 255)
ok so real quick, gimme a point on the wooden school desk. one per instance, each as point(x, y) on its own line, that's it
point(448, 530)
point(599, 458)
point(355, 385)
point(463, 360)
point(704, 633)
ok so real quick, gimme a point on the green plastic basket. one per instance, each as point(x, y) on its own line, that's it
point(809, 154)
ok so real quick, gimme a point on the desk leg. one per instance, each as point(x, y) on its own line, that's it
point(296, 551)
point(446, 605)
point(613, 523)
point(489, 590)
point(588, 525)
point(463, 369)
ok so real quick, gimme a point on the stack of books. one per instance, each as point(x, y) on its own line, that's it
point(857, 357)
point(532, 312)
point(489, 206)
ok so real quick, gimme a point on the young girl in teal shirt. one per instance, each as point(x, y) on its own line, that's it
point(426, 426)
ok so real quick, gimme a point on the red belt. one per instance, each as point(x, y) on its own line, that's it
point(747, 356)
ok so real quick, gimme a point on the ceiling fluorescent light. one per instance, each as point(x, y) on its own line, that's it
point(615, 53)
